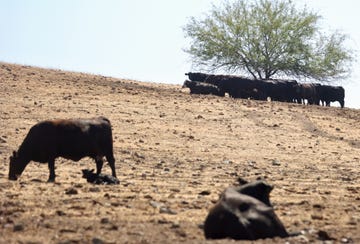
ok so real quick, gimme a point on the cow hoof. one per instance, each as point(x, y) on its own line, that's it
point(51, 180)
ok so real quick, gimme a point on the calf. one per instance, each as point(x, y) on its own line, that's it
point(244, 213)
point(71, 139)
point(99, 179)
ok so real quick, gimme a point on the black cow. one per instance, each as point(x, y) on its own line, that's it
point(329, 94)
point(203, 88)
point(308, 91)
point(244, 213)
point(282, 90)
point(201, 77)
point(71, 139)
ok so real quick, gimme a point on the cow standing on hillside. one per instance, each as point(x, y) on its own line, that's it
point(71, 139)
point(281, 90)
point(308, 92)
point(329, 94)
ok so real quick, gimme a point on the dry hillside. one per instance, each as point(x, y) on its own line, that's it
point(174, 154)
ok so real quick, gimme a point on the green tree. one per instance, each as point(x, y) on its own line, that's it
point(265, 38)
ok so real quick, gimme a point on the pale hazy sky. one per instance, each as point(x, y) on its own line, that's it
point(136, 39)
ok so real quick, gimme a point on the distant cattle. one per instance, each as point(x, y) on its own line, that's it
point(308, 92)
point(244, 213)
point(282, 90)
point(329, 94)
point(235, 86)
point(203, 88)
point(71, 139)
point(275, 89)
point(240, 87)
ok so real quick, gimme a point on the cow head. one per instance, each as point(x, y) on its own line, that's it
point(16, 166)
point(258, 189)
point(197, 76)
point(185, 84)
point(244, 213)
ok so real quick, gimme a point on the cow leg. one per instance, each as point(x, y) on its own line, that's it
point(111, 161)
point(99, 164)
point(342, 103)
point(51, 165)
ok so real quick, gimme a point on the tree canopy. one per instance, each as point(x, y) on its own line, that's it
point(267, 38)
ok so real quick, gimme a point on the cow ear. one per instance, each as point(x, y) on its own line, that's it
point(270, 188)
point(242, 181)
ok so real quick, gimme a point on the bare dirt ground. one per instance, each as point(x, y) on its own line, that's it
point(174, 154)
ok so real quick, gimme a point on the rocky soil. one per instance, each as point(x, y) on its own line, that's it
point(174, 153)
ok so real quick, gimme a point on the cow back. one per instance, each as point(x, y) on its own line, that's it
point(71, 139)
point(242, 217)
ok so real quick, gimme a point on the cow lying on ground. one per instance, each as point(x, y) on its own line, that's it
point(203, 88)
point(244, 213)
point(71, 139)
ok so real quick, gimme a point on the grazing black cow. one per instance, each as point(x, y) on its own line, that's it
point(244, 213)
point(203, 88)
point(71, 139)
point(329, 94)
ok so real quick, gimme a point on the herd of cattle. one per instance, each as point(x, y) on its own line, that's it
point(275, 89)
